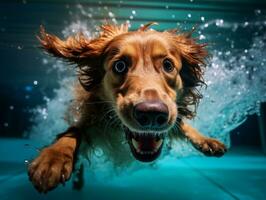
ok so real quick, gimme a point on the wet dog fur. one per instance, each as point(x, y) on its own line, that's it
point(136, 86)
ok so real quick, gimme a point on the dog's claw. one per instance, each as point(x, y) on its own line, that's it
point(63, 179)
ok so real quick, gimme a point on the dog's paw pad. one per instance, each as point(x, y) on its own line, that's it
point(49, 169)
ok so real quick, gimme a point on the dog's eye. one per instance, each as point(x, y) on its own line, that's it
point(168, 66)
point(120, 67)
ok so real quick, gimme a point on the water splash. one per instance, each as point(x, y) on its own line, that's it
point(236, 87)
point(49, 119)
point(236, 78)
point(236, 81)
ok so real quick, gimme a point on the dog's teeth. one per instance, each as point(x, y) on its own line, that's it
point(158, 143)
point(135, 144)
point(147, 152)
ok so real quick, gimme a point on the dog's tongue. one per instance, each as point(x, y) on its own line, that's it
point(146, 143)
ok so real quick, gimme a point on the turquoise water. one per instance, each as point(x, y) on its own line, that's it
point(236, 79)
point(238, 175)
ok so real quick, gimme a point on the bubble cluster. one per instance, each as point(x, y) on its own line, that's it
point(236, 82)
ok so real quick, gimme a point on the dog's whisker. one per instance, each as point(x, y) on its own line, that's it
point(175, 129)
point(115, 122)
point(111, 118)
point(100, 102)
point(177, 126)
point(108, 113)
point(96, 103)
point(106, 126)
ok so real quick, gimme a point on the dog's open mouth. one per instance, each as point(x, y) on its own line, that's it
point(145, 147)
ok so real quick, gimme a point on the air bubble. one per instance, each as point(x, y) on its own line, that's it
point(219, 22)
point(258, 12)
point(202, 37)
point(111, 14)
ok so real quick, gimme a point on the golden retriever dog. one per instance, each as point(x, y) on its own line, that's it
point(134, 86)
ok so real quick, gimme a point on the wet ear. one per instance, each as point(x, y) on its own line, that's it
point(193, 57)
point(74, 49)
point(87, 54)
point(79, 50)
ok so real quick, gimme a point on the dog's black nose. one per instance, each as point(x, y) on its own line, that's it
point(152, 114)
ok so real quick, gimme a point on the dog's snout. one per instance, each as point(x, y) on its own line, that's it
point(152, 114)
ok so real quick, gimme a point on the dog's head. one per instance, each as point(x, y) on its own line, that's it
point(149, 77)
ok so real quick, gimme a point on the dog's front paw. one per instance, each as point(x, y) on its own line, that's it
point(211, 147)
point(50, 168)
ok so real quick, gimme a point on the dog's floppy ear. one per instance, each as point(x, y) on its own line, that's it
point(193, 57)
point(74, 49)
point(85, 53)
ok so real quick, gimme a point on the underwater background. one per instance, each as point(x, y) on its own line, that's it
point(36, 89)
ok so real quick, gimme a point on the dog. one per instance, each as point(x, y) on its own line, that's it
point(137, 86)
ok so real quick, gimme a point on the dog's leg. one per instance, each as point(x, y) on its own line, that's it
point(55, 163)
point(208, 146)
